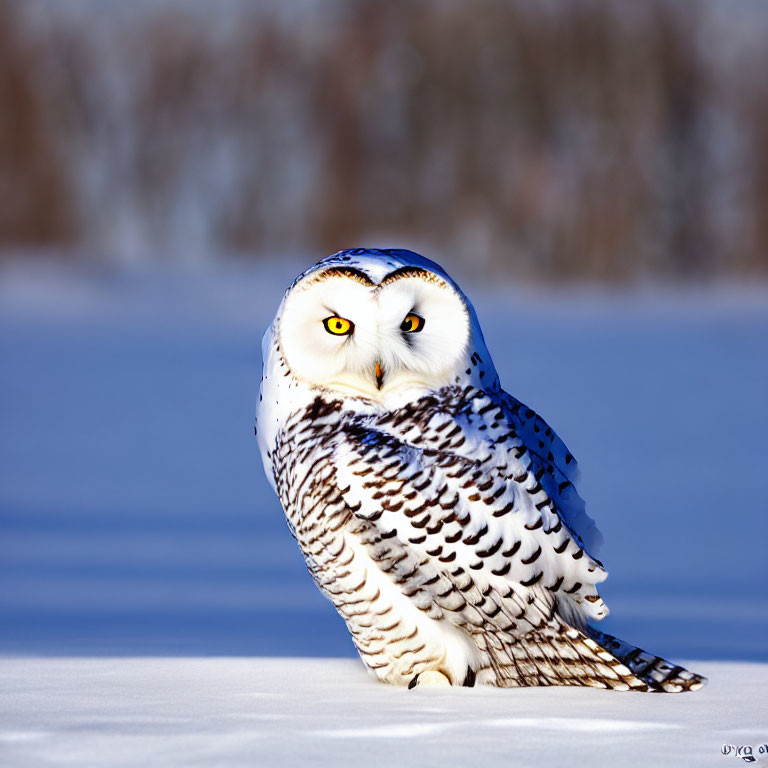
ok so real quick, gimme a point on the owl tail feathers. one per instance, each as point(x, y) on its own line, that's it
point(569, 656)
point(658, 674)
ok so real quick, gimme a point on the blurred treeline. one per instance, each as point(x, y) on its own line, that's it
point(555, 140)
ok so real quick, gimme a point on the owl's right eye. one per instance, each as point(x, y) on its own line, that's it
point(338, 326)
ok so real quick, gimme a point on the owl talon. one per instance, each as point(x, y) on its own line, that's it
point(430, 679)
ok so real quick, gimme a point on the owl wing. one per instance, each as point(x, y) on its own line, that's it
point(558, 468)
point(458, 497)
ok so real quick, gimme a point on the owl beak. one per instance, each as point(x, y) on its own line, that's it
point(379, 375)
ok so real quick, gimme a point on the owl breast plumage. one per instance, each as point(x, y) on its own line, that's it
point(437, 512)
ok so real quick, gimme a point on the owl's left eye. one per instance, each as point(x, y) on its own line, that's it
point(412, 323)
point(338, 326)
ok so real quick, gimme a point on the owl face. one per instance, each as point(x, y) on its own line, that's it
point(372, 333)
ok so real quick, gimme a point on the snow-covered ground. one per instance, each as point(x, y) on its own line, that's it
point(135, 522)
point(311, 712)
point(135, 518)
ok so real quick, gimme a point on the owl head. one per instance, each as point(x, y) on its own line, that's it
point(382, 325)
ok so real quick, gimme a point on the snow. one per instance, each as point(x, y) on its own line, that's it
point(270, 712)
point(138, 534)
point(135, 518)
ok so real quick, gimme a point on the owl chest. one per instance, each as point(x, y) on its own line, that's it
point(305, 478)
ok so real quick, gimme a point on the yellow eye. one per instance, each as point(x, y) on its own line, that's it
point(338, 326)
point(412, 323)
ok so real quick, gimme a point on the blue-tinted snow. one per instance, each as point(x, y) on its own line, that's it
point(135, 518)
point(111, 712)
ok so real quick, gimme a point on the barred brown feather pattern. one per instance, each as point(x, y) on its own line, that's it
point(449, 537)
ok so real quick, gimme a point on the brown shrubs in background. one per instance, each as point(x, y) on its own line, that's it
point(584, 140)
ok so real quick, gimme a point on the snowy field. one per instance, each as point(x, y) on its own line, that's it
point(135, 518)
point(291, 712)
point(135, 522)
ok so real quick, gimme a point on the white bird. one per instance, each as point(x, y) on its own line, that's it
point(436, 511)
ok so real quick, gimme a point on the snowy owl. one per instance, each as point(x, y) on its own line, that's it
point(436, 511)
